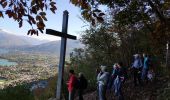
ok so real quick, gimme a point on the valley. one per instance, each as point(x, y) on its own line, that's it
point(29, 68)
point(25, 60)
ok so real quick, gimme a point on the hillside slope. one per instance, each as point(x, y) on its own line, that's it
point(155, 90)
point(9, 40)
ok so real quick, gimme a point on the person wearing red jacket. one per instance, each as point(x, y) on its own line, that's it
point(71, 84)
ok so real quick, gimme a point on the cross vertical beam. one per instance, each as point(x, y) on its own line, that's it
point(64, 37)
point(62, 55)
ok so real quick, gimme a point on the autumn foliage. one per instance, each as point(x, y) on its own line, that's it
point(32, 11)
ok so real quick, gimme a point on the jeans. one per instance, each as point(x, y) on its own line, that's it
point(102, 92)
point(71, 94)
point(118, 88)
point(144, 74)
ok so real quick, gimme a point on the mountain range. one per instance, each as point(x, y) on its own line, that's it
point(8, 40)
point(54, 47)
point(27, 44)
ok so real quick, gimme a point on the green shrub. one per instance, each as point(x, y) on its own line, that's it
point(20, 92)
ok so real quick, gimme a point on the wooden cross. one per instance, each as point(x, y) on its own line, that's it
point(64, 37)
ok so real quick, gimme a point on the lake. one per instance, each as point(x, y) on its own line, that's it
point(5, 62)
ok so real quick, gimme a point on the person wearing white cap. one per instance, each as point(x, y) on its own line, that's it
point(102, 80)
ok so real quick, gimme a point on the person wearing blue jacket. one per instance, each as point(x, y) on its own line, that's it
point(136, 68)
point(145, 68)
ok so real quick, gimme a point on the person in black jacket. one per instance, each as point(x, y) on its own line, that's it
point(82, 85)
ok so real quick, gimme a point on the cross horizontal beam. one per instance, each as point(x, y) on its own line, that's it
point(60, 34)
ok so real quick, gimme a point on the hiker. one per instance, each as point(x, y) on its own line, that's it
point(71, 84)
point(136, 68)
point(146, 63)
point(102, 81)
point(82, 85)
point(119, 75)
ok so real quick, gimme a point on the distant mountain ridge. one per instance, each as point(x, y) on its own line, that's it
point(8, 40)
point(27, 44)
point(34, 41)
point(54, 47)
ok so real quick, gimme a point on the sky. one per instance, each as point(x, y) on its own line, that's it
point(75, 24)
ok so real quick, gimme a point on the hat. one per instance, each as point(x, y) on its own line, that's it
point(103, 68)
point(136, 55)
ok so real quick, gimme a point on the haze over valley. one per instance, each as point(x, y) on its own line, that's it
point(13, 43)
point(25, 59)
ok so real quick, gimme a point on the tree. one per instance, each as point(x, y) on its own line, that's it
point(109, 42)
point(32, 11)
point(100, 44)
point(80, 61)
point(151, 14)
point(131, 19)
point(132, 13)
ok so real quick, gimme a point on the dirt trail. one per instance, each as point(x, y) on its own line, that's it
point(149, 91)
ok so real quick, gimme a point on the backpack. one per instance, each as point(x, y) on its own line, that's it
point(76, 84)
